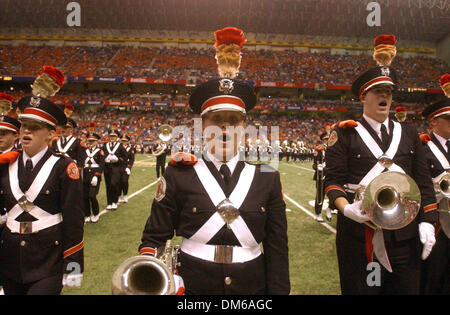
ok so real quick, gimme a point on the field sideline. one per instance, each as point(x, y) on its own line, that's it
point(116, 237)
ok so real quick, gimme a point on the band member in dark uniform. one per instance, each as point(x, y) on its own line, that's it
point(224, 208)
point(92, 175)
point(160, 150)
point(318, 166)
point(126, 172)
point(357, 153)
point(9, 133)
point(115, 159)
point(436, 269)
point(69, 144)
point(42, 242)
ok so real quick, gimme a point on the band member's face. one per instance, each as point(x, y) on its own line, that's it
point(112, 138)
point(35, 136)
point(92, 143)
point(441, 126)
point(377, 102)
point(223, 132)
point(67, 131)
point(7, 139)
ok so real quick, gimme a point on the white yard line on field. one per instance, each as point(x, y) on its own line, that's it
point(132, 195)
point(303, 168)
point(326, 225)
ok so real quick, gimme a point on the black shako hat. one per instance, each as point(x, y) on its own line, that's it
point(222, 94)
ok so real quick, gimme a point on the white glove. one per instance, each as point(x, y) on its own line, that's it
point(179, 284)
point(114, 159)
point(72, 280)
point(426, 233)
point(94, 181)
point(108, 159)
point(128, 171)
point(353, 211)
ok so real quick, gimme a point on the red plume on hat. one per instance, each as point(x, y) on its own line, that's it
point(48, 82)
point(91, 126)
point(384, 49)
point(445, 84)
point(54, 73)
point(5, 103)
point(229, 42)
point(400, 109)
point(229, 35)
point(68, 109)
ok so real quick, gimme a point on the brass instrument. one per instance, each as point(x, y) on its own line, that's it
point(391, 200)
point(147, 275)
point(165, 134)
point(442, 185)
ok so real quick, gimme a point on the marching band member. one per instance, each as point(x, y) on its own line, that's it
point(70, 145)
point(115, 158)
point(125, 174)
point(9, 133)
point(42, 243)
point(92, 175)
point(436, 269)
point(318, 166)
point(352, 159)
point(161, 158)
point(223, 208)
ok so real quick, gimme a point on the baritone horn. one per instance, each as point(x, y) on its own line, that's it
point(147, 275)
point(391, 200)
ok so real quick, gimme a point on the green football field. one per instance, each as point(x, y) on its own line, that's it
point(116, 237)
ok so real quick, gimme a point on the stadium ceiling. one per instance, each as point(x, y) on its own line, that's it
point(424, 20)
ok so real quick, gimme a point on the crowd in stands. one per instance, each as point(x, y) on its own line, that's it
point(179, 63)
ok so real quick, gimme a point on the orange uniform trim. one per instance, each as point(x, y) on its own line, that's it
point(431, 207)
point(334, 187)
point(74, 249)
point(147, 250)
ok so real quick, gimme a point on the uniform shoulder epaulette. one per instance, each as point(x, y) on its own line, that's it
point(183, 159)
point(319, 148)
point(347, 124)
point(425, 137)
point(9, 157)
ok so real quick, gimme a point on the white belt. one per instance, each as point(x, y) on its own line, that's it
point(34, 226)
point(220, 253)
point(91, 165)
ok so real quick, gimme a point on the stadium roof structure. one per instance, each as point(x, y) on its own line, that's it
point(417, 20)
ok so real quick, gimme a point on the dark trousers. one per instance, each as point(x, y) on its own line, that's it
point(436, 268)
point(355, 275)
point(90, 199)
point(123, 183)
point(112, 183)
point(160, 165)
point(319, 203)
point(47, 286)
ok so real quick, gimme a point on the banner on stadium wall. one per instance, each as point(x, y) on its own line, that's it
point(257, 83)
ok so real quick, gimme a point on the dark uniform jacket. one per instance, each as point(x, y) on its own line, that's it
point(27, 258)
point(348, 160)
point(319, 158)
point(75, 151)
point(131, 151)
point(88, 171)
point(435, 166)
point(186, 206)
point(121, 153)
